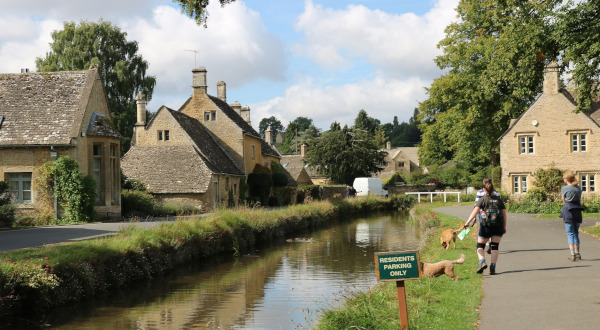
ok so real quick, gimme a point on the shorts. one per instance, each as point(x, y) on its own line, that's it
point(487, 231)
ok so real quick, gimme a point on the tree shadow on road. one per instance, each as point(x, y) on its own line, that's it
point(539, 269)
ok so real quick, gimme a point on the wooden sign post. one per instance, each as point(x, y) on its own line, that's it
point(398, 266)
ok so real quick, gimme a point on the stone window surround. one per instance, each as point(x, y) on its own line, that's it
point(11, 176)
point(163, 135)
point(585, 178)
point(210, 115)
point(529, 147)
point(519, 188)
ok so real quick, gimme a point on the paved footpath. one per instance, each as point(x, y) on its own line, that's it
point(536, 286)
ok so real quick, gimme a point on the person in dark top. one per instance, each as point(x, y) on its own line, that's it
point(571, 213)
point(492, 225)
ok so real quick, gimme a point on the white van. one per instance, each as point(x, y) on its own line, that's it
point(369, 186)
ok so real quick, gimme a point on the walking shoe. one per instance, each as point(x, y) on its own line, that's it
point(492, 269)
point(577, 256)
point(572, 257)
point(482, 267)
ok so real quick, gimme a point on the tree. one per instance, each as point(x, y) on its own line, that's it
point(275, 124)
point(123, 71)
point(577, 29)
point(308, 135)
point(364, 122)
point(494, 55)
point(292, 137)
point(288, 145)
point(196, 9)
point(404, 134)
point(302, 123)
point(344, 154)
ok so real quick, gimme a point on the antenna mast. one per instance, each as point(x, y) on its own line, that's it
point(195, 53)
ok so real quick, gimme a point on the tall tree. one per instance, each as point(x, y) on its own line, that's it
point(196, 9)
point(123, 70)
point(308, 135)
point(289, 145)
point(343, 155)
point(577, 29)
point(302, 123)
point(494, 55)
point(364, 122)
point(275, 124)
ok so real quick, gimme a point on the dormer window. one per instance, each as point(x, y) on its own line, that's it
point(163, 135)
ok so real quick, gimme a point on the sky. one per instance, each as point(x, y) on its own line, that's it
point(321, 59)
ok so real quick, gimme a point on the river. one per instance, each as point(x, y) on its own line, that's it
point(284, 286)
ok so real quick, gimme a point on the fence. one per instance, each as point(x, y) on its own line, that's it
point(431, 193)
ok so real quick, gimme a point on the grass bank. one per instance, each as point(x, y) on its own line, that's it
point(433, 303)
point(35, 280)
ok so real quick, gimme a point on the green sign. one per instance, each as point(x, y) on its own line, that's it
point(397, 266)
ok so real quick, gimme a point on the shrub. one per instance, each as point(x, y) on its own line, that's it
point(403, 202)
point(496, 176)
point(76, 193)
point(136, 203)
point(549, 180)
point(7, 210)
point(313, 191)
point(133, 184)
point(536, 195)
point(259, 186)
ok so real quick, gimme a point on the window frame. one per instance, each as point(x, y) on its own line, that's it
point(578, 142)
point(519, 184)
point(588, 182)
point(526, 144)
point(18, 195)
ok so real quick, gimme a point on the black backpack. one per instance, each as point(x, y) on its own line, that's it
point(490, 215)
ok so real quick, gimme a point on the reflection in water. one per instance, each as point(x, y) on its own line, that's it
point(281, 287)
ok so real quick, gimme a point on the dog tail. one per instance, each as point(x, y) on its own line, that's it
point(459, 260)
point(460, 227)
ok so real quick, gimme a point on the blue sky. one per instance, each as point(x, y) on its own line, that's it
point(321, 59)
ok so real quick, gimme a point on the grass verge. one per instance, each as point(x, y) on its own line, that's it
point(433, 303)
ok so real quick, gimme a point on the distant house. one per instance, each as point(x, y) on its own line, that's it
point(401, 160)
point(55, 114)
point(295, 166)
point(199, 153)
point(550, 134)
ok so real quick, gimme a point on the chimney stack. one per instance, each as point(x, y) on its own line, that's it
point(551, 78)
point(303, 150)
point(269, 135)
point(140, 100)
point(388, 145)
point(199, 86)
point(222, 91)
point(245, 113)
point(237, 107)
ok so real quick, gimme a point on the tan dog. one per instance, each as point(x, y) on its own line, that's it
point(442, 267)
point(449, 235)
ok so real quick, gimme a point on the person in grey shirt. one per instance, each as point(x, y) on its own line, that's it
point(571, 213)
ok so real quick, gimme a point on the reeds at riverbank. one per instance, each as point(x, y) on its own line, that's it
point(35, 280)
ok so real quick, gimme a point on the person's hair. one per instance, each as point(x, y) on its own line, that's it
point(488, 186)
point(570, 177)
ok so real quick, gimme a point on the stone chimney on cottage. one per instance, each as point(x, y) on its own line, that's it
point(140, 101)
point(222, 91)
point(303, 150)
point(388, 145)
point(269, 135)
point(199, 86)
point(237, 107)
point(551, 78)
point(245, 113)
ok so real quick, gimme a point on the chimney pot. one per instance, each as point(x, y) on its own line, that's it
point(222, 91)
point(199, 86)
point(551, 78)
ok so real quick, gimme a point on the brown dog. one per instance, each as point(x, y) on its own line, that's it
point(449, 235)
point(442, 267)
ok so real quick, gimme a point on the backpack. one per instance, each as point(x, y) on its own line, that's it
point(490, 215)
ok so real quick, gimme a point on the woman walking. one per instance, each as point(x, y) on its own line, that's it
point(492, 225)
point(571, 213)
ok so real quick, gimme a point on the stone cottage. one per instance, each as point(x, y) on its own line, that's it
point(550, 134)
point(179, 160)
point(402, 160)
point(205, 148)
point(44, 116)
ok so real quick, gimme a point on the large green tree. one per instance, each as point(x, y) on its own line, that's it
point(344, 154)
point(123, 70)
point(577, 29)
point(404, 134)
point(292, 136)
point(364, 122)
point(494, 57)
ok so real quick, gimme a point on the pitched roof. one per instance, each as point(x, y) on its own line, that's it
point(217, 159)
point(292, 164)
point(183, 171)
point(43, 108)
point(179, 169)
point(238, 120)
point(410, 153)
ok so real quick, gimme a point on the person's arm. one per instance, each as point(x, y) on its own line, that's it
point(472, 216)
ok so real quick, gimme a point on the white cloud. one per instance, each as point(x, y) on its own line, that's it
point(381, 98)
point(397, 44)
point(235, 48)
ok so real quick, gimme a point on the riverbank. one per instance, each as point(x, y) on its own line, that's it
point(35, 280)
point(432, 302)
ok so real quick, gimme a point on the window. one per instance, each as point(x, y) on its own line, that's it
point(253, 152)
point(98, 172)
point(20, 187)
point(210, 115)
point(578, 143)
point(163, 135)
point(401, 164)
point(526, 144)
point(115, 175)
point(588, 182)
point(519, 184)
